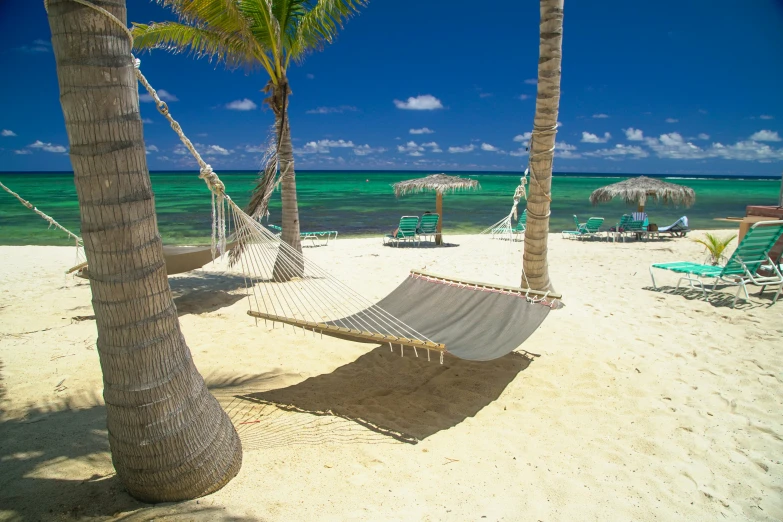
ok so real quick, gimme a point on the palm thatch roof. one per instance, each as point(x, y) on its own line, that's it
point(441, 183)
point(639, 190)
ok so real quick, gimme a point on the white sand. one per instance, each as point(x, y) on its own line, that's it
point(642, 405)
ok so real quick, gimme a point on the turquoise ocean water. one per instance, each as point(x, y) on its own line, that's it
point(362, 203)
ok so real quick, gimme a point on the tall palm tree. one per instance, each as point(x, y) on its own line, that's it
point(251, 34)
point(169, 438)
point(542, 145)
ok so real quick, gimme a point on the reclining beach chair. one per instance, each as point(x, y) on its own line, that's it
point(406, 231)
point(637, 225)
point(324, 235)
point(512, 233)
point(742, 267)
point(618, 230)
point(428, 226)
point(677, 229)
point(585, 230)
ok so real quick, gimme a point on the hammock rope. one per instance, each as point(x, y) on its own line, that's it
point(289, 291)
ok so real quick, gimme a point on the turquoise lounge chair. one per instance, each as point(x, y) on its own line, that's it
point(585, 230)
point(406, 231)
point(677, 229)
point(428, 226)
point(513, 233)
point(618, 231)
point(324, 235)
point(742, 267)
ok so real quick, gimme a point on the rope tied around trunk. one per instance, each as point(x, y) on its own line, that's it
point(539, 131)
point(216, 187)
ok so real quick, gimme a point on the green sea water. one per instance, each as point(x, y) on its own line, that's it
point(362, 203)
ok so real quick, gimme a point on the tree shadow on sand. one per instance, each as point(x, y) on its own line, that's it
point(49, 443)
point(203, 292)
point(406, 398)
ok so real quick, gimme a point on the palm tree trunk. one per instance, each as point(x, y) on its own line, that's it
point(289, 262)
point(542, 146)
point(169, 438)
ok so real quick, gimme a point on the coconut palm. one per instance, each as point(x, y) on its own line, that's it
point(715, 247)
point(169, 438)
point(542, 145)
point(257, 33)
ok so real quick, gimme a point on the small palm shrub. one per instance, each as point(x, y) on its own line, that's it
point(715, 247)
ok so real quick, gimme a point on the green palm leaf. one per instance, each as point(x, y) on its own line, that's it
point(715, 246)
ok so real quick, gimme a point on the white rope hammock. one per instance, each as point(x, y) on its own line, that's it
point(287, 290)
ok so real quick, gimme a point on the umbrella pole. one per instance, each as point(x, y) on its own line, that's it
point(439, 212)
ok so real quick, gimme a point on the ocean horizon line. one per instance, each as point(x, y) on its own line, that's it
point(456, 172)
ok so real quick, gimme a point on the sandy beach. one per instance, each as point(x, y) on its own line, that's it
point(627, 404)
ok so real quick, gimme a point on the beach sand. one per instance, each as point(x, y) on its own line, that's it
point(629, 404)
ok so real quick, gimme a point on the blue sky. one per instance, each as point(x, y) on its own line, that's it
point(678, 87)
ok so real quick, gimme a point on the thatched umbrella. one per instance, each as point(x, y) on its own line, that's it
point(440, 183)
point(639, 190)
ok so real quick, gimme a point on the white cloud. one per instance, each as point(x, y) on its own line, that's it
point(245, 104)
point(524, 96)
point(674, 146)
point(48, 147)
point(765, 135)
point(217, 149)
point(7, 133)
point(414, 149)
point(181, 150)
point(746, 151)
point(366, 150)
point(703, 136)
point(467, 148)
point(432, 146)
point(333, 110)
point(532, 81)
point(164, 95)
point(423, 130)
point(632, 134)
point(147, 121)
point(39, 46)
point(766, 117)
point(561, 145)
point(620, 150)
point(672, 120)
point(489, 148)
point(523, 138)
point(255, 148)
point(152, 148)
point(23, 151)
point(424, 102)
point(416, 153)
point(588, 137)
point(310, 76)
point(323, 146)
point(600, 116)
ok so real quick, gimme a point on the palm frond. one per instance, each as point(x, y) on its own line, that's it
point(265, 29)
point(715, 246)
point(220, 15)
point(321, 23)
point(202, 42)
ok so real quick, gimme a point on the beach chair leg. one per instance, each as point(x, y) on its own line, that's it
point(653, 278)
point(780, 289)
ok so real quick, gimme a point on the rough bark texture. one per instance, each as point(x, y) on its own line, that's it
point(547, 104)
point(287, 265)
point(169, 438)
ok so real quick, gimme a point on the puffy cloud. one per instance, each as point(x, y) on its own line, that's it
point(523, 138)
point(561, 145)
point(7, 133)
point(746, 151)
point(766, 117)
point(672, 120)
point(588, 137)
point(23, 151)
point(48, 147)
point(674, 146)
point(532, 81)
point(600, 116)
point(245, 104)
point(152, 148)
point(423, 130)
point(466, 148)
point(164, 95)
point(366, 150)
point(703, 136)
point(217, 149)
point(424, 102)
point(489, 148)
point(414, 149)
point(255, 148)
point(620, 150)
point(333, 110)
point(147, 121)
point(765, 135)
point(632, 134)
point(324, 146)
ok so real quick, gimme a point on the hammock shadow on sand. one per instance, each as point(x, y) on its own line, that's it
point(203, 292)
point(406, 398)
point(716, 299)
